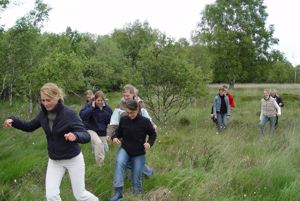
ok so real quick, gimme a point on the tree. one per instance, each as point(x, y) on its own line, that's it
point(168, 79)
point(106, 68)
point(133, 38)
point(236, 35)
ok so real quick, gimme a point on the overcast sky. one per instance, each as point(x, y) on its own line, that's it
point(176, 18)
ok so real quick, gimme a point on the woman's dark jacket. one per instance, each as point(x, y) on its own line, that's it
point(96, 119)
point(133, 133)
point(66, 121)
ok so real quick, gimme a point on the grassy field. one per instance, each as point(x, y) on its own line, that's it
point(191, 162)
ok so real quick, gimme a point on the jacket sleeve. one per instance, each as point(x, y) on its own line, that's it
point(151, 133)
point(115, 117)
point(228, 106)
point(78, 129)
point(86, 112)
point(27, 126)
point(108, 113)
point(215, 106)
point(231, 101)
point(277, 108)
point(261, 110)
point(118, 132)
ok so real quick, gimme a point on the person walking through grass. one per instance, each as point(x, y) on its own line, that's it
point(268, 112)
point(278, 101)
point(96, 116)
point(221, 109)
point(132, 134)
point(63, 130)
point(129, 93)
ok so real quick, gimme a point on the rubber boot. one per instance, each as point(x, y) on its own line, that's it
point(118, 194)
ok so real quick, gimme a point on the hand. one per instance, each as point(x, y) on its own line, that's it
point(116, 141)
point(70, 137)
point(93, 104)
point(279, 114)
point(227, 116)
point(8, 123)
point(147, 145)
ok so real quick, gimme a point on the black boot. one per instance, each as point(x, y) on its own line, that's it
point(118, 194)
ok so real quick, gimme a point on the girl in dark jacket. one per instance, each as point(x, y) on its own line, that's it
point(132, 135)
point(63, 130)
point(96, 116)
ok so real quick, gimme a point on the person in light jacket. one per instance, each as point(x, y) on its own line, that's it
point(63, 130)
point(268, 112)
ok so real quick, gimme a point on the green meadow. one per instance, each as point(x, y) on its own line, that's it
point(190, 161)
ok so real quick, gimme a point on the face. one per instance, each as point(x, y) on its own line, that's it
point(127, 95)
point(273, 94)
point(99, 102)
point(89, 97)
point(48, 102)
point(221, 92)
point(132, 113)
point(266, 94)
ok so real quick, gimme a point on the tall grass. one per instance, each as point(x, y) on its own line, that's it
point(190, 161)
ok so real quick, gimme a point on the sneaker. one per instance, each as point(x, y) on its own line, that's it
point(217, 133)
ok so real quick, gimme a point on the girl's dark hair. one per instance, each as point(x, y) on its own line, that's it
point(132, 105)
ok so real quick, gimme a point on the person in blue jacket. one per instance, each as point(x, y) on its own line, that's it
point(221, 109)
point(96, 116)
point(63, 130)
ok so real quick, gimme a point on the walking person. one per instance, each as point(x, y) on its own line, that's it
point(129, 93)
point(279, 101)
point(269, 110)
point(230, 97)
point(221, 109)
point(63, 130)
point(96, 116)
point(132, 134)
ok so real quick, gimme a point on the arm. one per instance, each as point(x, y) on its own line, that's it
point(280, 103)
point(108, 113)
point(228, 106)
point(27, 126)
point(118, 134)
point(152, 136)
point(86, 112)
point(77, 129)
point(261, 111)
point(215, 107)
point(277, 108)
point(115, 117)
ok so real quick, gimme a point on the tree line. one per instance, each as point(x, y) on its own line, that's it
point(230, 43)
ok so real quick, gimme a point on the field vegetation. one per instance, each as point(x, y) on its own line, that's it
point(190, 161)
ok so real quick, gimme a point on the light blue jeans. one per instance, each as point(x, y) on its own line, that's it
point(137, 163)
point(221, 121)
point(264, 120)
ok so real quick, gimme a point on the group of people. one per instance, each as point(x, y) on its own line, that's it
point(223, 104)
point(129, 126)
point(221, 108)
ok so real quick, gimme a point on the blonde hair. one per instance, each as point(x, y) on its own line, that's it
point(99, 94)
point(131, 89)
point(52, 91)
point(88, 92)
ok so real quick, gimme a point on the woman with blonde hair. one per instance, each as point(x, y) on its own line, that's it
point(63, 130)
